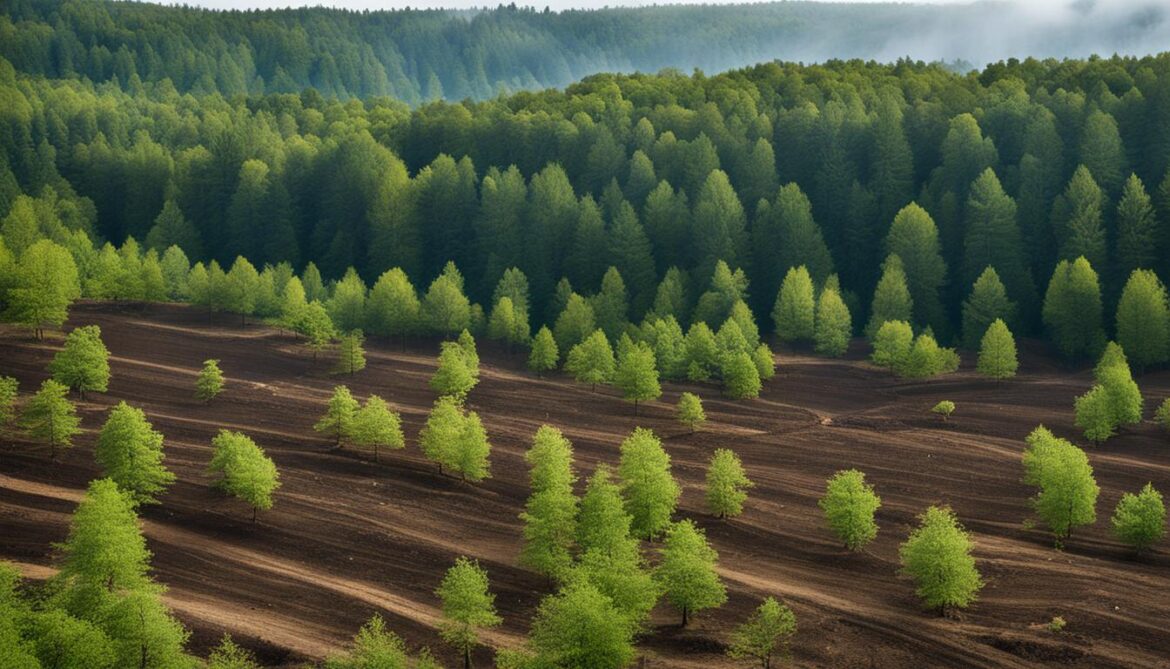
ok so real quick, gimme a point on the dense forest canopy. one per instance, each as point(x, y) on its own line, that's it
point(421, 55)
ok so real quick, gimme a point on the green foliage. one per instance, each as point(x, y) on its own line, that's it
point(741, 376)
point(727, 484)
point(209, 383)
point(544, 355)
point(392, 309)
point(892, 343)
point(592, 360)
point(636, 375)
point(944, 408)
point(445, 309)
point(456, 440)
point(891, 297)
point(651, 493)
point(794, 312)
point(1114, 401)
point(1076, 218)
point(244, 470)
point(43, 285)
point(834, 325)
point(468, 607)
point(767, 632)
point(574, 324)
point(337, 422)
point(687, 570)
point(130, 452)
point(9, 388)
point(375, 426)
point(914, 238)
point(926, 358)
point(84, 362)
point(1139, 521)
point(1136, 229)
point(372, 646)
point(454, 376)
point(550, 513)
point(1072, 309)
point(603, 524)
point(987, 303)
point(227, 655)
point(1162, 415)
point(580, 627)
point(702, 353)
point(105, 549)
point(997, 352)
point(849, 504)
point(937, 556)
point(351, 357)
point(1067, 492)
point(690, 411)
point(1094, 414)
point(1143, 320)
point(50, 417)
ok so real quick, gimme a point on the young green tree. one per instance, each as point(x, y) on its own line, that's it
point(690, 411)
point(44, 283)
point(849, 505)
point(244, 471)
point(914, 238)
point(651, 493)
point(347, 304)
point(741, 376)
point(927, 358)
point(442, 431)
point(581, 627)
point(987, 302)
point(209, 383)
point(1139, 520)
point(1136, 229)
point(592, 360)
point(544, 355)
point(1067, 492)
point(468, 606)
point(316, 326)
point(241, 288)
point(891, 297)
point(834, 325)
point(9, 387)
point(505, 324)
point(1143, 320)
point(892, 344)
point(687, 571)
point(550, 513)
point(702, 353)
point(351, 357)
point(445, 309)
point(372, 646)
point(1094, 414)
point(472, 450)
point(997, 352)
point(937, 556)
point(1072, 309)
point(375, 426)
point(766, 633)
point(337, 422)
point(944, 409)
point(636, 375)
point(575, 322)
point(454, 376)
point(727, 484)
point(1162, 415)
point(105, 549)
point(795, 310)
point(50, 417)
point(602, 521)
point(84, 363)
point(227, 655)
point(393, 307)
point(130, 452)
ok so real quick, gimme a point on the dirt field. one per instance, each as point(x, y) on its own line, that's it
point(348, 537)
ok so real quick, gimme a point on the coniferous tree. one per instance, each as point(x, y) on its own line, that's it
point(50, 417)
point(937, 556)
point(550, 513)
point(795, 311)
point(741, 376)
point(84, 362)
point(766, 633)
point(337, 422)
point(993, 239)
point(130, 452)
point(1143, 320)
point(914, 238)
point(997, 352)
point(374, 425)
point(1077, 223)
point(651, 493)
point(454, 376)
point(1067, 493)
point(544, 355)
point(1072, 309)
point(892, 344)
point(834, 325)
point(987, 303)
point(351, 357)
point(636, 374)
point(1136, 229)
point(244, 470)
point(687, 571)
point(891, 298)
point(209, 383)
point(727, 484)
point(467, 606)
point(849, 504)
point(690, 411)
point(1139, 520)
point(392, 309)
point(592, 360)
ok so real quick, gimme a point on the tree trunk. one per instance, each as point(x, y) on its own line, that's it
point(467, 657)
point(684, 620)
point(635, 407)
point(253, 514)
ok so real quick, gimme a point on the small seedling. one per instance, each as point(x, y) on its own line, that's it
point(944, 408)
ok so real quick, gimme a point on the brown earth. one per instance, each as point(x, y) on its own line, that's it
point(349, 537)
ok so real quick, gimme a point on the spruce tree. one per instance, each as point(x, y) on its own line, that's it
point(992, 239)
point(892, 344)
point(337, 422)
point(988, 302)
point(544, 355)
point(50, 417)
point(1072, 309)
point(636, 375)
point(891, 297)
point(727, 484)
point(651, 493)
point(741, 376)
point(209, 383)
point(602, 521)
point(130, 452)
point(245, 472)
point(795, 311)
point(937, 556)
point(913, 237)
point(467, 606)
point(375, 426)
point(1067, 493)
point(351, 357)
point(1139, 521)
point(687, 570)
point(550, 513)
point(1077, 220)
point(766, 633)
point(997, 352)
point(849, 504)
point(592, 360)
point(84, 363)
point(1136, 229)
point(1143, 320)
point(834, 325)
point(690, 411)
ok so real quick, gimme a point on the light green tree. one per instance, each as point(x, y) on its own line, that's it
point(937, 556)
point(209, 383)
point(50, 417)
point(375, 426)
point(834, 325)
point(337, 422)
point(468, 606)
point(227, 655)
point(347, 304)
point(766, 633)
point(1094, 414)
point(603, 524)
point(944, 409)
point(544, 355)
point(550, 514)
point(575, 322)
point(1072, 309)
point(690, 411)
point(636, 374)
point(393, 306)
point(44, 285)
point(372, 646)
point(454, 375)
point(316, 326)
point(687, 570)
point(241, 288)
point(1143, 320)
point(130, 452)
point(351, 356)
point(445, 308)
point(702, 353)
point(997, 352)
point(243, 470)
point(891, 297)
point(1067, 492)
point(84, 363)
point(442, 430)
point(592, 360)
point(914, 238)
point(987, 303)
point(795, 310)
point(581, 627)
point(892, 344)
point(849, 504)
point(727, 484)
point(651, 493)
point(105, 549)
point(1139, 520)
point(741, 376)
point(9, 388)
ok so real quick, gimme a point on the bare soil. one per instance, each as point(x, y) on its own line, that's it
point(349, 537)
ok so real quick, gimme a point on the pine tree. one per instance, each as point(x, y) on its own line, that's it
point(727, 484)
point(575, 323)
point(651, 493)
point(454, 376)
point(849, 505)
point(592, 360)
point(891, 297)
point(913, 237)
point(988, 302)
point(337, 422)
point(1072, 309)
point(1139, 520)
point(1067, 492)
point(550, 513)
point(892, 344)
point(937, 556)
point(1143, 320)
point(468, 606)
point(690, 411)
point(834, 325)
point(1077, 220)
point(244, 470)
point(997, 352)
point(1136, 229)
point(767, 632)
point(130, 452)
point(741, 376)
point(636, 375)
point(351, 357)
point(993, 239)
point(794, 312)
point(209, 383)
point(687, 571)
point(50, 417)
point(84, 362)
point(375, 425)
point(544, 355)
point(603, 524)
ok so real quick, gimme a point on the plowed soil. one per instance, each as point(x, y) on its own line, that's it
point(349, 537)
